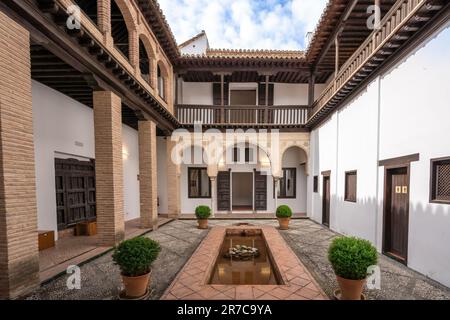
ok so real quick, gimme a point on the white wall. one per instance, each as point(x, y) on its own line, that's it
point(404, 111)
point(64, 126)
point(199, 46)
point(197, 93)
point(162, 174)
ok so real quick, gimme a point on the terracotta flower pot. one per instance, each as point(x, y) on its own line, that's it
point(136, 286)
point(284, 223)
point(202, 223)
point(351, 289)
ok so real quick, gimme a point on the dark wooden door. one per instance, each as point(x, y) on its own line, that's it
point(396, 213)
point(260, 191)
point(75, 191)
point(223, 191)
point(326, 201)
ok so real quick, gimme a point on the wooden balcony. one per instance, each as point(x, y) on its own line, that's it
point(268, 116)
point(400, 24)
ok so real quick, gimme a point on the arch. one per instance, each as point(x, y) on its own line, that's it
point(163, 80)
point(122, 27)
point(146, 59)
point(301, 157)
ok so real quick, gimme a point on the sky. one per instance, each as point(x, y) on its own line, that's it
point(245, 24)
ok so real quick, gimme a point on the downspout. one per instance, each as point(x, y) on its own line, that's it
point(377, 160)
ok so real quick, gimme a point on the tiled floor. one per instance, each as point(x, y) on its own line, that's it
point(192, 281)
point(75, 250)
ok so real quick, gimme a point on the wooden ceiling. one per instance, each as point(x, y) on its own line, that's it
point(53, 72)
point(347, 18)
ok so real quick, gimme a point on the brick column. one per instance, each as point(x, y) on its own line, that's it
point(104, 16)
point(173, 183)
point(19, 256)
point(109, 167)
point(148, 186)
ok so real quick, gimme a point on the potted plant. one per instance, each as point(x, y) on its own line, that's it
point(135, 257)
point(350, 257)
point(284, 214)
point(202, 213)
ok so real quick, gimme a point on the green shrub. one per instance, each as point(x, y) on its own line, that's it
point(203, 212)
point(284, 212)
point(350, 257)
point(135, 256)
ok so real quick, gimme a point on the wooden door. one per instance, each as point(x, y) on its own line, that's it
point(223, 191)
point(260, 191)
point(326, 201)
point(396, 213)
point(75, 191)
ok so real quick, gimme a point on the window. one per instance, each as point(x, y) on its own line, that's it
point(350, 186)
point(287, 186)
point(237, 155)
point(440, 180)
point(199, 185)
point(316, 184)
point(161, 84)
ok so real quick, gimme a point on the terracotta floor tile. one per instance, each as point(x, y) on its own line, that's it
point(300, 281)
point(258, 292)
point(296, 297)
point(207, 292)
point(307, 293)
point(280, 293)
point(231, 293)
point(194, 296)
point(244, 293)
point(267, 296)
point(181, 292)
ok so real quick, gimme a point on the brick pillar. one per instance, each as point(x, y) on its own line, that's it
point(148, 186)
point(109, 167)
point(173, 183)
point(133, 42)
point(104, 16)
point(19, 256)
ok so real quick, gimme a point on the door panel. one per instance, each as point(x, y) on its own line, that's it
point(326, 201)
point(396, 213)
point(260, 191)
point(75, 191)
point(223, 191)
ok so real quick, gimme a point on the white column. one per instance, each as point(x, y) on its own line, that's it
point(213, 195)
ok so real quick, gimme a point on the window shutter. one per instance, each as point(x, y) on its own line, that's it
point(216, 94)
point(262, 94)
point(271, 94)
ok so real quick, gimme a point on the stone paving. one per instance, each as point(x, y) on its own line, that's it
point(310, 242)
point(100, 279)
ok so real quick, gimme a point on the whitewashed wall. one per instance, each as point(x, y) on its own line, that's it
point(404, 111)
point(66, 127)
point(199, 46)
point(284, 93)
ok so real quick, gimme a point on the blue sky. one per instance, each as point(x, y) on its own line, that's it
point(245, 24)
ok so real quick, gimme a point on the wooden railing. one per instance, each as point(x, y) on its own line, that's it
point(238, 115)
point(381, 42)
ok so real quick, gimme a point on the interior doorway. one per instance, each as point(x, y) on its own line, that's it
point(242, 191)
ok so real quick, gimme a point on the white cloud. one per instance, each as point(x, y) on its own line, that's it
point(241, 24)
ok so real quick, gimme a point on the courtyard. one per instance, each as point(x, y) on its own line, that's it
point(179, 239)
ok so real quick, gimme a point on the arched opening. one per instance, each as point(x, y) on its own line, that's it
point(119, 30)
point(89, 7)
point(145, 62)
point(162, 81)
point(292, 187)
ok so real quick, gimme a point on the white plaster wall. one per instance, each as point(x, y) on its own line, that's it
point(64, 126)
point(415, 119)
point(162, 174)
point(290, 94)
point(197, 93)
point(199, 46)
point(412, 101)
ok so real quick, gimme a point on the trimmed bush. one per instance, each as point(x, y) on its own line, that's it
point(350, 257)
point(203, 212)
point(135, 256)
point(284, 212)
